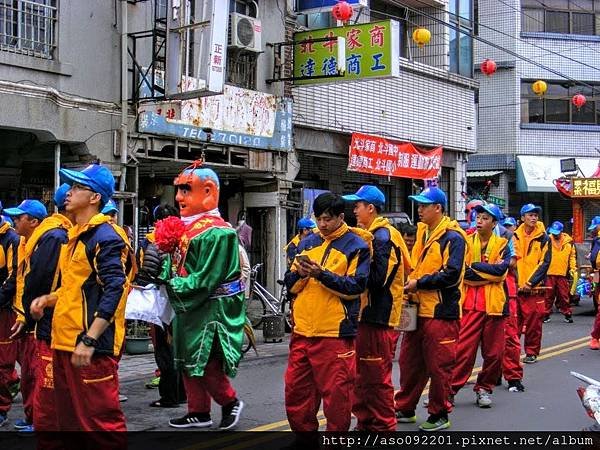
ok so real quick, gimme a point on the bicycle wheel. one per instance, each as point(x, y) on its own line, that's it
point(255, 309)
point(286, 310)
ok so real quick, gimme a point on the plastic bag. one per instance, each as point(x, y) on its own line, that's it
point(150, 304)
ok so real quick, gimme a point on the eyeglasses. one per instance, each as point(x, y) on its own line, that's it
point(80, 187)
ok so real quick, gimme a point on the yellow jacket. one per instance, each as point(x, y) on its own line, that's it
point(97, 266)
point(563, 262)
point(329, 306)
point(485, 275)
point(534, 254)
point(37, 272)
point(9, 244)
point(439, 266)
point(381, 304)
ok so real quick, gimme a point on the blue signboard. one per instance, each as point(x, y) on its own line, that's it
point(154, 123)
point(324, 5)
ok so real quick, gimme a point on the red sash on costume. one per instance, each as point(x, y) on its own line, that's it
point(196, 228)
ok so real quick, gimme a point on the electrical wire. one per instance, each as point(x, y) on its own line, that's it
point(472, 35)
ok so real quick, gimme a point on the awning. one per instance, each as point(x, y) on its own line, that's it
point(537, 173)
point(483, 173)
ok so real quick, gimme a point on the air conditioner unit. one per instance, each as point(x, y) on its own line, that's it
point(245, 32)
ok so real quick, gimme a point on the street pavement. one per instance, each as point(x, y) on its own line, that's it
point(550, 402)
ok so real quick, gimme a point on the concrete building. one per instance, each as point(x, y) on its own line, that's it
point(522, 137)
point(430, 103)
point(60, 84)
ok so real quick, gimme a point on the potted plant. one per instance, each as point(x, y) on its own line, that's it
point(137, 337)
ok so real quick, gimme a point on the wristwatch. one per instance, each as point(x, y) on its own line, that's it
point(89, 341)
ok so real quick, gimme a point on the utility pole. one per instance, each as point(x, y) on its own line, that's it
point(124, 108)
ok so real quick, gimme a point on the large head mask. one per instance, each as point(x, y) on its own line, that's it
point(197, 190)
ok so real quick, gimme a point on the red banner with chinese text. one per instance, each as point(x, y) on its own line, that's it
point(380, 156)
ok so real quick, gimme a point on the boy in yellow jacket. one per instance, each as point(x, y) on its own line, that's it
point(562, 267)
point(484, 307)
point(534, 253)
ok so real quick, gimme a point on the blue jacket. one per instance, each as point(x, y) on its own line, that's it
point(9, 243)
point(97, 266)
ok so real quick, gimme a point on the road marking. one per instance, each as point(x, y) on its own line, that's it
point(282, 425)
point(546, 352)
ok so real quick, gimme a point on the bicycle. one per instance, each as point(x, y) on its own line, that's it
point(261, 301)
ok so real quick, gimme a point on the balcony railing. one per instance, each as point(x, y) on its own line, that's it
point(28, 27)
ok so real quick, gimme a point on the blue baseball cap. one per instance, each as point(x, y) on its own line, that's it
point(98, 178)
point(430, 196)
point(530, 207)
point(34, 208)
point(556, 228)
point(492, 209)
point(7, 219)
point(510, 221)
point(367, 193)
point(595, 222)
point(305, 222)
point(110, 207)
point(61, 195)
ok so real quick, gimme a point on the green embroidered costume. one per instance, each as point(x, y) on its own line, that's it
point(206, 297)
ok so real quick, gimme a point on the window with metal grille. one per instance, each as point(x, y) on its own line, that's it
point(28, 27)
point(241, 69)
point(556, 106)
point(561, 16)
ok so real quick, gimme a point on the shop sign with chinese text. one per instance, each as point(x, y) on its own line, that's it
point(380, 156)
point(586, 187)
point(372, 51)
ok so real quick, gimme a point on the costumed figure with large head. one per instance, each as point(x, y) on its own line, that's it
point(207, 295)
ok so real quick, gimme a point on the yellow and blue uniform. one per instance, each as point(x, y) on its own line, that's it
point(438, 258)
point(38, 272)
point(534, 254)
point(381, 304)
point(9, 244)
point(486, 278)
point(329, 306)
point(97, 266)
point(563, 262)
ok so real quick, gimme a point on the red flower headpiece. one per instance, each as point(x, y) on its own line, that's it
point(168, 232)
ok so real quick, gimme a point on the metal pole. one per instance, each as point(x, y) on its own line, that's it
point(124, 107)
point(136, 209)
point(56, 169)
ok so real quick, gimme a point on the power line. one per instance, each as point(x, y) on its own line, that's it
point(472, 35)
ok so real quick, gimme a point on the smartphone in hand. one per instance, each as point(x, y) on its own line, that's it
point(303, 258)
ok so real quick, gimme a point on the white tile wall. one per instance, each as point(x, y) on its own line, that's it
point(428, 110)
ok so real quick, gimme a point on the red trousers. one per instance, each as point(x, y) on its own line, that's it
point(511, 363)
point(559, 292)
point(596, 328)
point(374, 391)
point(8, 357)
point(531, 315)
point(213, 384)
point(44, 403)
point(476, 327)
point(20, 350)
point(429, 352)
point(319, 368)
point(88, 397)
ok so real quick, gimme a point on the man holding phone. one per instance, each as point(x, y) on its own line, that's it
point(327, 276)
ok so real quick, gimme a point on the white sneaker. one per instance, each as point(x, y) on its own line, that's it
point(484, 399)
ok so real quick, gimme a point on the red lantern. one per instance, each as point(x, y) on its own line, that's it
point(579, 100)
point(488, 67)
point(342, 11)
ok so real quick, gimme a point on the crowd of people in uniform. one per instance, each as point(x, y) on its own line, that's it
point(480, 287)
point(65, 278)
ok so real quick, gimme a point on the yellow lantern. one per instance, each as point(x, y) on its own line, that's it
point(539, 87)
point(421, 36)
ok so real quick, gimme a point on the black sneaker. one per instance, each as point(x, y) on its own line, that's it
point(197, 420)
point(530, 359)
point(547, 319)
point(568, 318)
point(515, 386)
point(231, 414)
